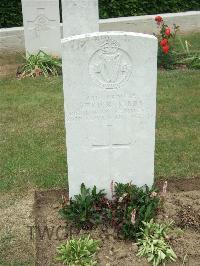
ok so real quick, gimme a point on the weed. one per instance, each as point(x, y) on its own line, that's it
point(40, 64)
point(153, 244)
point(78, 251)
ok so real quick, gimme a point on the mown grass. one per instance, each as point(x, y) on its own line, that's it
point(32, 134)
point(178, 124)
point(192, 39)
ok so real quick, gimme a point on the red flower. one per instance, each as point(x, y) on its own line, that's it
point(167, 31)
point(158, 19)
point(166, 49)
point(163, 42)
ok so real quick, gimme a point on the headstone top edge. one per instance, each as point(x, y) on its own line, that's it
point(105, 33)
point(37, 1)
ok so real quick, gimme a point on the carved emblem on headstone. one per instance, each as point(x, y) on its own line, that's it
point(110, 66)
point(41, 23)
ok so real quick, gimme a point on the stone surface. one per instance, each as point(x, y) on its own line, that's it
point(79, 16)
point(188, 22)
point(42, 26)
point(13, 38)
point(110, 107)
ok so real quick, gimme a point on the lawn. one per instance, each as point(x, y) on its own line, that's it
point(32, 134)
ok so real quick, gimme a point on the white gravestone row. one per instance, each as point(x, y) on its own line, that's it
point(110, 108)
point(79, 16)
point(41, 21)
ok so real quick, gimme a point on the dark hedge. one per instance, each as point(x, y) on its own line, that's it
point(11, 12)
point(124, 8)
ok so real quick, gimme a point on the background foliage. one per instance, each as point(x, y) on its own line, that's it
point(11, 12)
point(123, 8)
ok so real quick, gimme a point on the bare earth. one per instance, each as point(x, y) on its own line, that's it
point(32, 246)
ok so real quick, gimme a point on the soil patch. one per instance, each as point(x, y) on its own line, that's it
point(49, 228)
point(180, 184)
point(16, 217)
point(9, 62)
point(182, 204)
point(8, 70)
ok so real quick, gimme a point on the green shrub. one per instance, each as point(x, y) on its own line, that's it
point(40, 64)
point(116, 8)
point(131, 206)
point(84, 211)
point(79, 252)
point(10, 13)
point(153, 244)
point(125, 212)
point(166, 43)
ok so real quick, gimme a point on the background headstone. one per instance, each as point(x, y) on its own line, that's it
point(41, 20)
point(79, 16)
point(110, 107)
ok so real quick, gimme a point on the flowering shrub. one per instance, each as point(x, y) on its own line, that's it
point(166, 38)
point(125, 212)
point(130, 206)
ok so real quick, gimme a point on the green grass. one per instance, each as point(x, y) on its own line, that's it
point(32, 135)
point(193, 40)
point(178, 124)
point(32, 139)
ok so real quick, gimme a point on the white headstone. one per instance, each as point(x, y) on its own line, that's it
point(79, 16)
point(110, 107)
point(42, 26)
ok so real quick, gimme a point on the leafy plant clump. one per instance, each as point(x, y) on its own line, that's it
point(79, 251)
point(40, 64)
point(131, 205)
point(153, 243)
point(188, 58)
point(125, 212)
point(84, 211)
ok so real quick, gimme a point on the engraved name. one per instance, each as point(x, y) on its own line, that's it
point(113, 106)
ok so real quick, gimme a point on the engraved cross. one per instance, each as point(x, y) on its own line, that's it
point(110, 147)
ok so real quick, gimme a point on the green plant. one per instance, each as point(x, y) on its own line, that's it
point(85, 209)
point(78, 251)
point(40, 64)
point(116, 8)
point(188, 58)
point(153, 243)
point(130, 206)
point(166, 37)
